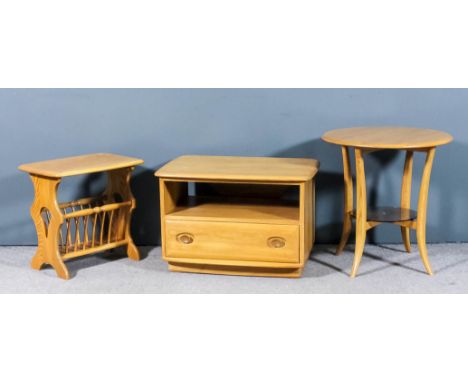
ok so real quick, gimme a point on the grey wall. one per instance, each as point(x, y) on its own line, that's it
point(158, 125)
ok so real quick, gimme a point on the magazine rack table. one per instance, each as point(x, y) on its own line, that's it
point(243, 216)
point(85, 226)
point(369, 139)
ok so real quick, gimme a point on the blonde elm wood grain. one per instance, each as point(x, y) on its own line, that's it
point(45, 197)
point(387, 137)
point(119, 183)
point(405, 202)
point(307, 219)
point(234, 241)
point(348, 201)
point(240, 169)
point(219, 209)
point(78, 165)
point(422, 210)
point(232, 233)
point(170, 195)
point(361, 211)
point(110, 226)
point(81, 251)
point(235, 263)
point(302, 227)
point(234, 270)
point(96, 210)
point(368, 139)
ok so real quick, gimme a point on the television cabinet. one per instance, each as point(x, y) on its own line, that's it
point(246, 216)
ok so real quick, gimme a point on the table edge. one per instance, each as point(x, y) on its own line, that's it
point(52, 174)
point(194, 176)
point(391, 147)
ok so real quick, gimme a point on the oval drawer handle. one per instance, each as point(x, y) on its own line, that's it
point(276, 242)
point(185, 238)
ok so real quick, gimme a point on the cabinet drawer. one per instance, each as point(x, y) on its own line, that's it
point(232, 241)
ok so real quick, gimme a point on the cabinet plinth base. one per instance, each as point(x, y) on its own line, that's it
point(235, 270)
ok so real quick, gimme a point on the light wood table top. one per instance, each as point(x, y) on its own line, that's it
point(83, 164)
point(387, 137)
point(240, 168)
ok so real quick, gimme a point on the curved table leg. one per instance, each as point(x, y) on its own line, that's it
point(422, 210)
point(361, 210)
point(348, 200)
point(406, 196)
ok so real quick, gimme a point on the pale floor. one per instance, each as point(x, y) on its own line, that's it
point(384, 269)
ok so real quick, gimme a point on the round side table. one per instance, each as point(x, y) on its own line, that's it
point(369, 139)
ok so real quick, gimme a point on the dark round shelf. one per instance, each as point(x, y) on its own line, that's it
point(389, 214)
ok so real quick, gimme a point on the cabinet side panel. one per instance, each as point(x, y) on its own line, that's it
point(170, 194)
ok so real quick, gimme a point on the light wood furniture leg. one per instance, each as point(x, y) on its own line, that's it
point(312, 214)
point(45, 202)
point(361, 211)
point(406, 196)
point(348, 201)
point(119, 183)
point(422, 210)
point(307, 211)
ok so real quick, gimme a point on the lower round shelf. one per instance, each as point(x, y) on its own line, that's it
point(389, 214)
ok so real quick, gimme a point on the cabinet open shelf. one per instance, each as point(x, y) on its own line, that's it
point(249, 210)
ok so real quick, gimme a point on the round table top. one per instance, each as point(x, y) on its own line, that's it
point(387, 137)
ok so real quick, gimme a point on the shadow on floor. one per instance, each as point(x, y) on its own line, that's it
point(329, 265)
point(76, 265)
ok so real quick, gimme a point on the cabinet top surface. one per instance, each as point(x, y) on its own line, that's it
point(387, 137)
point(83, 164)
point(240, 169)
